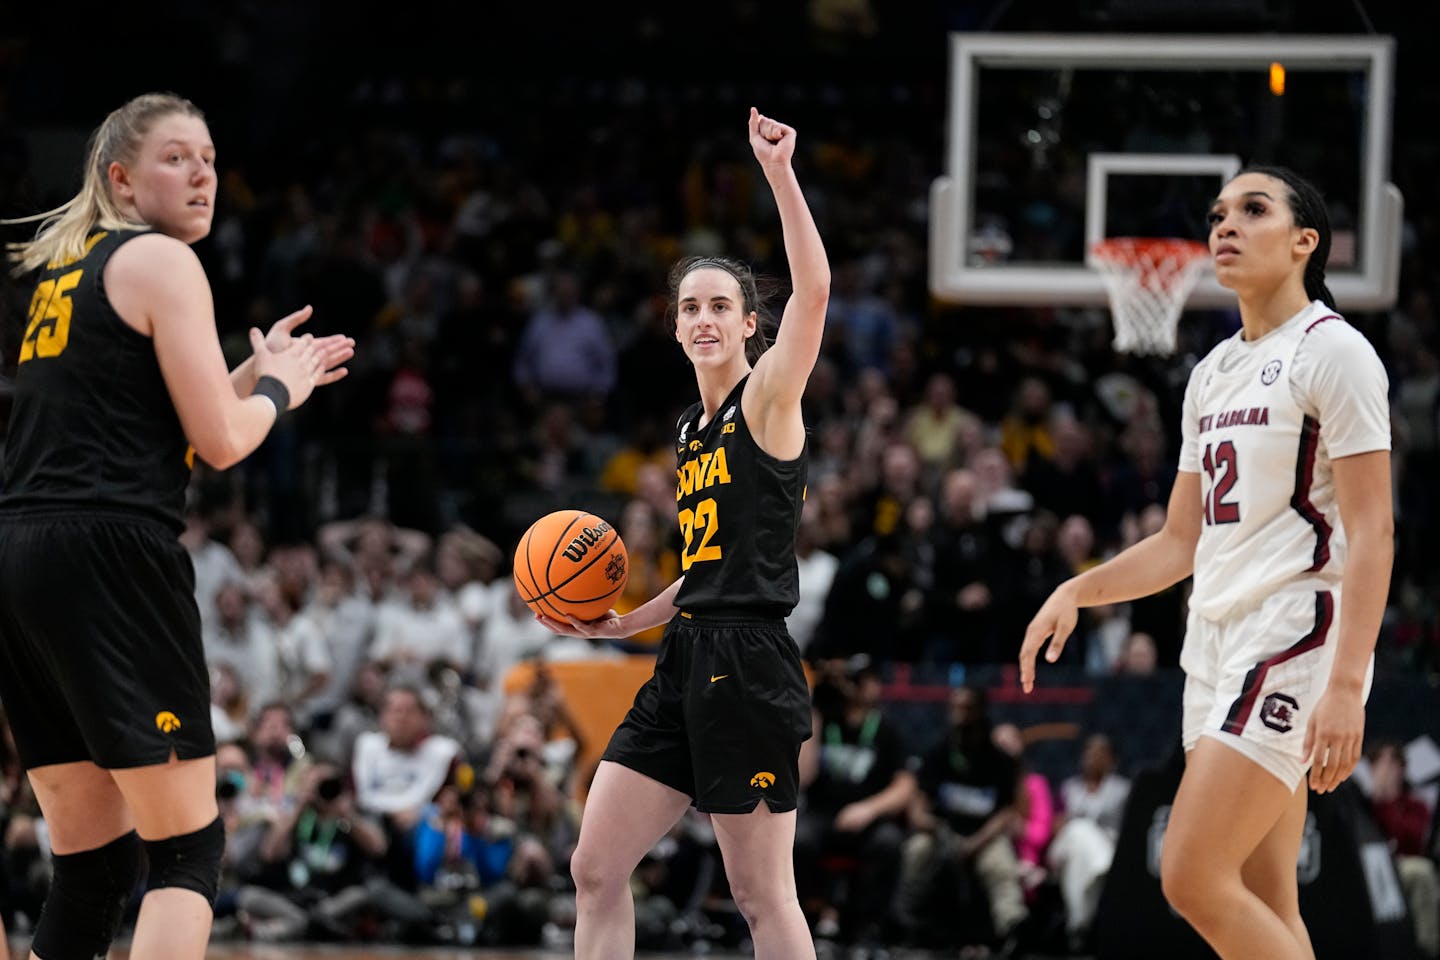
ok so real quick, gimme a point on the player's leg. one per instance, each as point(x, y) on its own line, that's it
point(626, 813)
point(1270, 871)
point(1226, 806)
point(757, 849)
point(176, 815)
point(95, 860)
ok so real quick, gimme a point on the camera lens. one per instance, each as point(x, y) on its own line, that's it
point(330, 788)
point(226, 790)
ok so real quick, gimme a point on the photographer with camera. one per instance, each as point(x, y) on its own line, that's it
point(317, 857)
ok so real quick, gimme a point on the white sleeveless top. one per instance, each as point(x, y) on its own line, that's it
point(1263, 421)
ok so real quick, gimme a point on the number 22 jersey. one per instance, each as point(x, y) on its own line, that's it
point(1263, 422)
point(739, 509)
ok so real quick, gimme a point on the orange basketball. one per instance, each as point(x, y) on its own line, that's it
point(571, 562)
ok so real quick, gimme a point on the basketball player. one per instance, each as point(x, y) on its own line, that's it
point(1281, 509)
point(120, 381)
point(721, 721)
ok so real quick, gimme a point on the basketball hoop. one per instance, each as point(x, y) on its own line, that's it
point(1148, 280)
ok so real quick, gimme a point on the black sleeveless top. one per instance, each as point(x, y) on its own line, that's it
point(92, 427)
point(739, 510)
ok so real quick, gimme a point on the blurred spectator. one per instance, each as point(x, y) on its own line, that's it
point(247, 545)
point(317, 857)
point(1035, 570)
point(346, 621)
point(1405, 821)
point(1025, 432)
point(420, 628)
point(279, 759)
point(855, 787)
point(1106, 632)
point(368, 544)
point(238, 639)
point(566, 351)
point(1092, 805)
point(401, 767)
point(648, 443)
point(469, 862)
point(229, 705)
point(1137, 657)
point(967, 557)
point(1075, 543)
point(817, 568)
point(214, 564)
point(1162, 614)
point(246, 824)
point(1067, 482)
point(467, 563)
point(934, 428)
point(861, 328)
point(653, 564)
point(1034, 810)
point(962, 816)
point(525, 790)
point(302, 659)
point(1004, 506)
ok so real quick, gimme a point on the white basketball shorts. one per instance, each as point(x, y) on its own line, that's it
point(1251, 682)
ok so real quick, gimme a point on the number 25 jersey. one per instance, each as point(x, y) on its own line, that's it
point(1263, 423)
point(92, 426)
point(739, 509)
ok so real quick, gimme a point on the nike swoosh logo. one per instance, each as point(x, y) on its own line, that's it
point(722, 676)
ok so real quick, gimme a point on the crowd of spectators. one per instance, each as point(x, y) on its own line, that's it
point(498, 250)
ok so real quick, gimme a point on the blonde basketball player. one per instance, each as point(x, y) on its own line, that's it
point(1281, 509)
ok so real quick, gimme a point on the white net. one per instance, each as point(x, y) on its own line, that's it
point(1148, 280)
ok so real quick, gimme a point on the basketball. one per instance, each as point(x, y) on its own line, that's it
point(570, 563)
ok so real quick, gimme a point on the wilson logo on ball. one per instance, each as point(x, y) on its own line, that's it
point(167, 722)
point(584, 540)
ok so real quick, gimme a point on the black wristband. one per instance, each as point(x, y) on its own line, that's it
point(273, 390)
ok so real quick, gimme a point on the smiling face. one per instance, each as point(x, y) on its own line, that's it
point(170, 182)
point(710, 321)
point(1254, 241)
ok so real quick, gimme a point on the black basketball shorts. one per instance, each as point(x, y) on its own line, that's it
point(100, 652)
point(723, 716)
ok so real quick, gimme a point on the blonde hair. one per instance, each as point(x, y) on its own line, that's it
point(63, 231)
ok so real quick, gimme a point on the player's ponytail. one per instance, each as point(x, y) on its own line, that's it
point(1307, 206)
point(754, 292)
point(64, 230)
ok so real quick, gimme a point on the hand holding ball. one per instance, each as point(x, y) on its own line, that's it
point(571, 563)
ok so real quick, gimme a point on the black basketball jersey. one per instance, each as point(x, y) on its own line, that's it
point(92, 426)
point(739, 510)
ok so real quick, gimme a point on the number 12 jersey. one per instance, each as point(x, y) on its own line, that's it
point(1263, 421)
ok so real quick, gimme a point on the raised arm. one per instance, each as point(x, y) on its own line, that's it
point(782, 371)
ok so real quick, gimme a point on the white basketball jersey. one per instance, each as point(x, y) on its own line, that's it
point(1262, 421)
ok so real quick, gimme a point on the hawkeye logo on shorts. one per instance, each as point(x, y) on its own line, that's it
point(763, 780)
point(1278, 712)
point(167, 722)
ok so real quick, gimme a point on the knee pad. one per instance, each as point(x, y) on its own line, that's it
point(89, 893)
point(190, 861)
